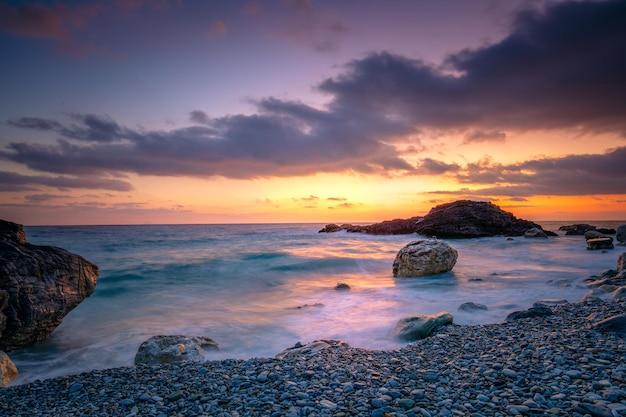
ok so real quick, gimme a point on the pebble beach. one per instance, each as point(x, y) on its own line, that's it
point(558, 365)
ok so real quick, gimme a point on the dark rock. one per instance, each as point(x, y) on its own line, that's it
point(577, 229)
point(420, 326)
point(620, 235)
point(621, 262)
point(535, 311)
point(613, 324)
point(424, 257)
point(40, 284)
point(600, 243)
point(330, 228)
point(605, 231)
point(342, 286)
point(12, 232)
point(468, 219)
point(393, 227)
point(472, 307)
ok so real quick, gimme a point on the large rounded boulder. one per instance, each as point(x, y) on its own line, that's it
point(424, 257)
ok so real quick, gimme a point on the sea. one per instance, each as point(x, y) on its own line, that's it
point(258, 289)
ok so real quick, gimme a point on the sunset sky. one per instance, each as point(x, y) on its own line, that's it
point(181, 111)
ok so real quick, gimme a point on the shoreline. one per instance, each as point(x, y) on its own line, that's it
point(553, 365)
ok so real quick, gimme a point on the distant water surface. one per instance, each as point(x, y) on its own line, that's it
point(258, 289)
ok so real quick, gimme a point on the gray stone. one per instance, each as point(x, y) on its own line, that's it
point(535, 232)
point(310, 348)
point(177, 348)
point(420, 326)
point(424, 257)
point(593, 234)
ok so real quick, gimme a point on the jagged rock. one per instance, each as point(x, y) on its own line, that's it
point(621, 262)
point(40, 285)
point(606, 231)
point(394, 227)
point(387, 227)
point(577, 229)
point(535, 311)
point(330, 228)
point(420, 326)
point(620, 235)
point(600, 243)
point(468, 219)
point(342, 286)
point(472, 307)
point(535, 232)
point(166, 349)
point(424, 257)
point(8, 371)
point(311, 349)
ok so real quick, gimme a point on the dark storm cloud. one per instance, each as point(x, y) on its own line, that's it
point(430, 166)
point(482, 136)
point(561, 68)
point(90, 127)
point(284, 138)
point(11, 181)
point(570, 175)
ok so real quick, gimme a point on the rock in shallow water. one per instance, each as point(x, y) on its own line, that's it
point(420, 326)
point(40, 284)
point(424, 257)
point(600, 243)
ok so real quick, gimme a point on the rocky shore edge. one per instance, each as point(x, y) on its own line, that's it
point(569, 363)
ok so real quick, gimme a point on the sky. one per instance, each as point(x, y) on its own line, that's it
point(281, 111)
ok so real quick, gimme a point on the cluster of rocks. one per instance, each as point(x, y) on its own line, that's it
point(456, 220)
point(562, 364)
point(39, 285)
point(580, 229)
point(597, 238)
point(611, 281)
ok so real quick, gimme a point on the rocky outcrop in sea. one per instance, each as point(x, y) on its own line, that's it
point(469, 219)
point(460, 219)
point(39, 285)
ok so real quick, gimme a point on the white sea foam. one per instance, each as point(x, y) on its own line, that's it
point(258, 289)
